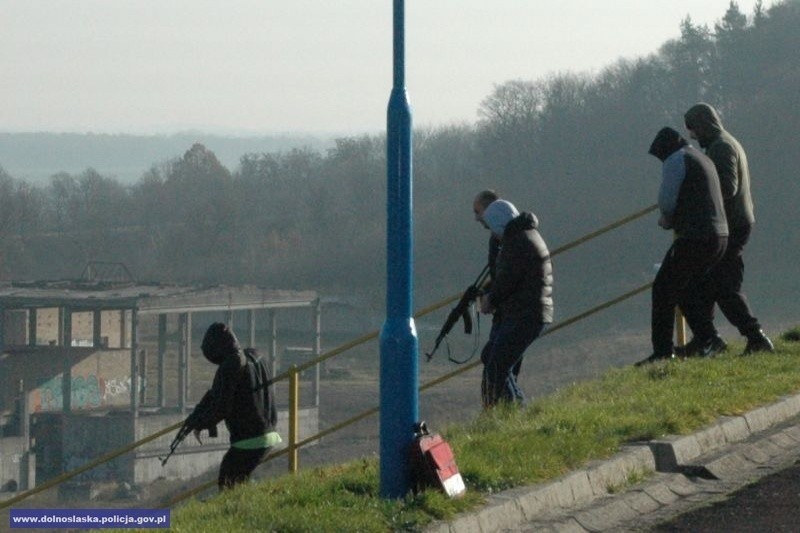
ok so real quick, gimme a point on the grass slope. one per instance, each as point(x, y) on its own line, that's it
point(510, 447)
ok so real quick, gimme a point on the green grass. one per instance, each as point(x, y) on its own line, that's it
point(792, 335)
point(509, 447)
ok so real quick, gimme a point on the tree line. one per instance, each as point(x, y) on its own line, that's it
point(571, 147)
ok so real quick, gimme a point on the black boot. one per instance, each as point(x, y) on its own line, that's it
point(758, 342)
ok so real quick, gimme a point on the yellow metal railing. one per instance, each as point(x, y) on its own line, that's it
point(294, 422)
point(293, 373)
point(551, 329)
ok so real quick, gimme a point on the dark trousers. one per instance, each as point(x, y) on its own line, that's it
point(237, 465)
point(509, 339)
point(488, 345)
point(724, 286)
point(678, 281)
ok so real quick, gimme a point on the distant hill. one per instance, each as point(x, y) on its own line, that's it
point(34, 157)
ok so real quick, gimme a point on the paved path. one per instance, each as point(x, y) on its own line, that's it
point(690, 481)
point(770, 504)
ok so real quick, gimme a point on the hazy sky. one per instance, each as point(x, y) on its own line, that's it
point(267, 66)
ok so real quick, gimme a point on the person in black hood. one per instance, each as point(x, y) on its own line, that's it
point(725, 282)
point(690, 202)
point(242, 396)
point(521, 292)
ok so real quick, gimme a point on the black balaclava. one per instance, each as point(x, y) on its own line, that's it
point(219, 342)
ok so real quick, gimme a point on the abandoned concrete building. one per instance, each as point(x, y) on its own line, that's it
point(88, 366)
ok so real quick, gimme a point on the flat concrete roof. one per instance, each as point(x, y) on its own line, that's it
point(147, 297)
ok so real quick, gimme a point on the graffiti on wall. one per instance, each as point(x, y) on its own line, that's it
point(88, 392)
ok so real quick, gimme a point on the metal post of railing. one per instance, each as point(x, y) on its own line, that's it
point(680, 324)
point(680, 328)
point(294, 414)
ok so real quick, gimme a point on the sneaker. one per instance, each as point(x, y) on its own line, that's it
point(702, 348)
point(758, 342)
point(655, 358)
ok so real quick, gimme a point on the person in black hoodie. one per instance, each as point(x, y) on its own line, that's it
point(242, 396)
point(521, 293)
point(690, 202)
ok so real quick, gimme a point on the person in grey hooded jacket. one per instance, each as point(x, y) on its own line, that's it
point(725, 280)
point(521, 291)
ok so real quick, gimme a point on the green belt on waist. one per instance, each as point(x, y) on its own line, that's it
point(267, 440)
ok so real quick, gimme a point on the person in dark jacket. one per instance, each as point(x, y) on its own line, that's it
point(242, 396)
point(690, 202)
point(483, 200)
point(521, 293)
point(725, 282)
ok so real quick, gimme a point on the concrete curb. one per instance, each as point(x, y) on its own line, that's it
point(672, 452)
point(584, 499)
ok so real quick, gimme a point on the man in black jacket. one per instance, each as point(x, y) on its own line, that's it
point(690, 202)
point(725, 281)
point(521, 293)
point(241, 395)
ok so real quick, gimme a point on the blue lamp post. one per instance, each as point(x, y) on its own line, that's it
point(399, 386)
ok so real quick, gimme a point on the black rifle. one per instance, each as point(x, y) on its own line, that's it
point(182, 434)
point(461, 310)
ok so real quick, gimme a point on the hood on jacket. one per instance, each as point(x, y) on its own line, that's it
point(667, 142)
point(218, 343)
point(524, 222)
point(704, 121)
point(498, 214)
